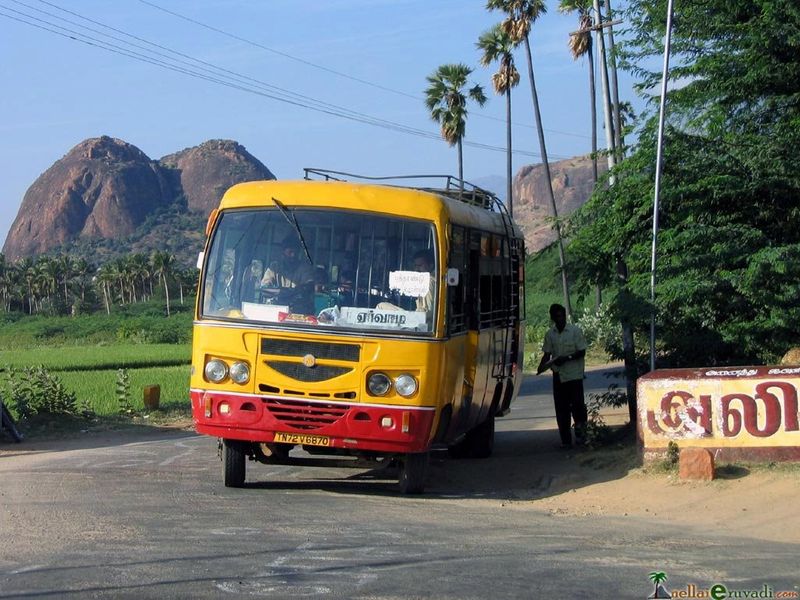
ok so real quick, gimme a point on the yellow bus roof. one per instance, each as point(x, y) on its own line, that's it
point(403, 201)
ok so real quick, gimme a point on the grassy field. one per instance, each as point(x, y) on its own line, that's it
point(85, 352)
point(99, 357)
point(99, 387)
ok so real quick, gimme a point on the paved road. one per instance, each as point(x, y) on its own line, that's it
point(133, 517)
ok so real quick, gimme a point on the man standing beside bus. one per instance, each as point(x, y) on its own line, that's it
point(564, 349)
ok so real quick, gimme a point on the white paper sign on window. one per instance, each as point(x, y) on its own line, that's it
point(383, 319)
point(410, 283)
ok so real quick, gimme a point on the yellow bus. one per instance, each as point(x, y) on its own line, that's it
point(356, 322)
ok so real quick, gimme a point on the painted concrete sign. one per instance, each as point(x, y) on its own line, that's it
point(741, 412)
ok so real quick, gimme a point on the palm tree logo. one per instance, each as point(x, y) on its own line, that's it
point(659, 577)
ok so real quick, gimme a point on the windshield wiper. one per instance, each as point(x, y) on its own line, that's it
point(293, 222)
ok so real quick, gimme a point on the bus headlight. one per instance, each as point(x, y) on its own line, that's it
point(379, 384)
point(406, 385)
point(215, 370)
point(240, 372)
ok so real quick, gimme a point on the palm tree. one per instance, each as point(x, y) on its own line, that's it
point(163, 265)
point(447, 102)
point(657, 577)
point(106, 275)
point(497, 45)
point(520, 16)
point(580, 44)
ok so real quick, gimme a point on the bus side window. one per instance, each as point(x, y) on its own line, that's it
point(456, 304)
point(472, 282)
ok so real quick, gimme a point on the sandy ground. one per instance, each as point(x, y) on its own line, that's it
point(754, 501)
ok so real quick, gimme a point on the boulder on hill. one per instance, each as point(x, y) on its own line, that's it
point(103, 187)
point(207, 170)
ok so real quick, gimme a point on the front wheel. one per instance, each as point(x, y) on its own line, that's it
point(233, 463)
point(413, 473)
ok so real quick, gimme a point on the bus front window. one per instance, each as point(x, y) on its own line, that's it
point(334, 269)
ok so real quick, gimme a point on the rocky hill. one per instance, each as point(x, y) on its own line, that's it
point(207, 170)
point(106, 195)
point(572, 186)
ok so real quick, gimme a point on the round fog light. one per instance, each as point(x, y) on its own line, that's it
point(406, 385)
point(240, 372)
point(216, 370)
point(379, 384)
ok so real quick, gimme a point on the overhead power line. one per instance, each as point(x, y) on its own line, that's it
point(197, 68)
point(328, 69)
point(193, 67)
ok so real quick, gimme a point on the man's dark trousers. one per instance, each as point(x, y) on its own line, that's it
point(570, 406)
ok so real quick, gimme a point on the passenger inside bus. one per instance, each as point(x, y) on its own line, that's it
point(422, 263)
point(289, 270)
point(290, 280)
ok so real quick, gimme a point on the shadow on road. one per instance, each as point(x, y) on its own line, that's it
point(525, 466)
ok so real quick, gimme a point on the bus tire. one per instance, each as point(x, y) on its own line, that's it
point(233, 463)
point(413, 473)
point(481, 439)
point(478, 443)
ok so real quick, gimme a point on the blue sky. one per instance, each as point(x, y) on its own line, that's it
point(58, 92)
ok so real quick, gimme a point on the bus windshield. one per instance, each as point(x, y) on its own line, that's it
point(322, 268)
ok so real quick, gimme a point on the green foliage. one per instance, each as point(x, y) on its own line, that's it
point(142, 322)
point(99, 357)
point(597, 432)
point(123, 391)
point(728, 273)
point(673, 454)
point(99, 388)
point(35, 391)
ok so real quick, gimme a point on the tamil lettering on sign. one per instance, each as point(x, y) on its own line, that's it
point(733, 407)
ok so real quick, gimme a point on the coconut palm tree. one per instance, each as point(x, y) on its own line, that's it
point(163, 265)
point(657, 577)
point(496, 45)
point(105, 276)
point(520, 16)
point(446, 99)
point(580, 44)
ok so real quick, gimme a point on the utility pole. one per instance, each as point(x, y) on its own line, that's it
point(659, 159)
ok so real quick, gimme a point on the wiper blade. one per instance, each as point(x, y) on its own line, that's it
point(293, 222)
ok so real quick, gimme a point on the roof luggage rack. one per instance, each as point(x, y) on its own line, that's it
point(450, 186)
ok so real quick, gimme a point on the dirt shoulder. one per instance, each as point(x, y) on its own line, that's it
point(743, 501)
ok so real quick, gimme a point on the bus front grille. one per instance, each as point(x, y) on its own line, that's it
point(320, 350)
point(300, 372)
point(304, 415)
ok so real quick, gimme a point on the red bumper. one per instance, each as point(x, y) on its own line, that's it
point(355, 426)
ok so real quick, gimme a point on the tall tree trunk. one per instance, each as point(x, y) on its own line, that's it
point(593, 109)
point(106, 294)
point(609, 121)
point(166, 291)
point(509, 169)
point(628, 348)
point(614, 85)
point(546, 163)
point(460, 166)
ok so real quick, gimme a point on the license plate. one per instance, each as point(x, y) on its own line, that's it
point(302, 438)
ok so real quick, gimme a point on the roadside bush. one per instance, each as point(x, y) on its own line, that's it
point(123, 391)
point(35, 391)
point(600, 327)
point(597, 432)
